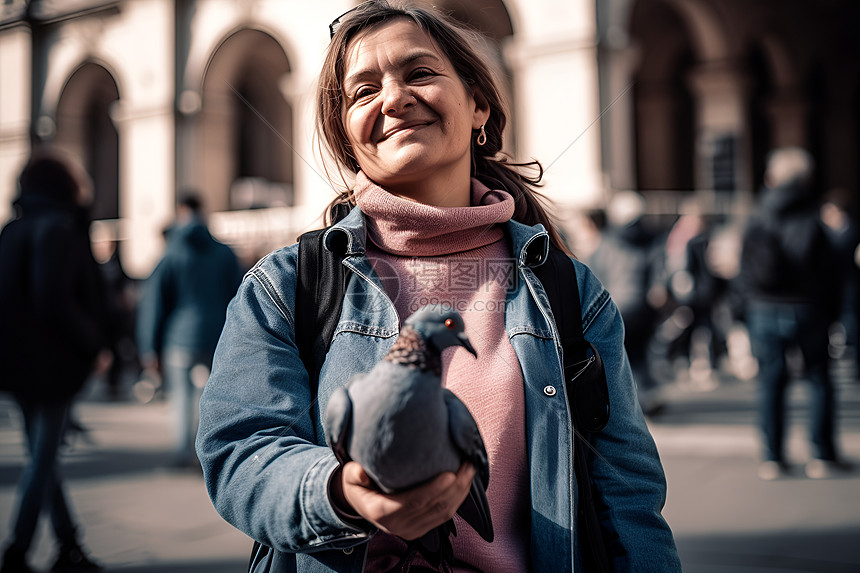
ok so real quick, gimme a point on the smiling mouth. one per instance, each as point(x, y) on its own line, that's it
point(402, 128)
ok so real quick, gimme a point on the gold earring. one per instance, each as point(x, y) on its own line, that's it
point(482, 137)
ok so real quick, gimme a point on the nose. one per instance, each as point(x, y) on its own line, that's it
point(396, 97)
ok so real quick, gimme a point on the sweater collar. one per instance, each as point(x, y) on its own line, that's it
point(403, 227)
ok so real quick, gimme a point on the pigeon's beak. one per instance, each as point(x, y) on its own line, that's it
point(464, 342)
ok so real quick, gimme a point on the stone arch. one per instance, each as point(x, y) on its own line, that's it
point(708, 34)
point(663, 107)
point(779, 99)
point(781, 62)
point(243, 150)
point(84, 127)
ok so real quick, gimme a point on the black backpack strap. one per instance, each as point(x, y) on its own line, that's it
point(320, 287)
point(588, 394)
point(583, 368)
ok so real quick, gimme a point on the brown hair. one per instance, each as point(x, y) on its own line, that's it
point(457, 42)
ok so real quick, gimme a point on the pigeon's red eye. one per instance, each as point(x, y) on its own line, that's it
point(449, 322)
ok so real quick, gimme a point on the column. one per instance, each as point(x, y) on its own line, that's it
point(723, 149)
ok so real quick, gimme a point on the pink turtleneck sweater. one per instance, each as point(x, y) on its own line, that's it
point(460, 256)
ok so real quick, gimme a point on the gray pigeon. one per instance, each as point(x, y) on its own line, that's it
point(404, 428)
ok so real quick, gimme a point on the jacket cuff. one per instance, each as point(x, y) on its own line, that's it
point(329, 522)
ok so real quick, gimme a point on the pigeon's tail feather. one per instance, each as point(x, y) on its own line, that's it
point(435, 545)
point(475, 510)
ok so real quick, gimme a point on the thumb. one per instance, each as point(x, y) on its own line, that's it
point(364, 479)
point(356, 474)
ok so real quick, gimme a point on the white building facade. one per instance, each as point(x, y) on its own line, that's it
point(668, 96)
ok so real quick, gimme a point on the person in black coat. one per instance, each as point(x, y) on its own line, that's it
point(51, 332)
point(789, 280)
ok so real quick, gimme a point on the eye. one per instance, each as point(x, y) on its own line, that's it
point(449, 322)
point(363, 92)
point(421, 73)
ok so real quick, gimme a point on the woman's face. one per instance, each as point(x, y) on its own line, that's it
point(408, 116)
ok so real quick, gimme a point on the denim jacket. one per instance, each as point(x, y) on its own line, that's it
point(261, 440)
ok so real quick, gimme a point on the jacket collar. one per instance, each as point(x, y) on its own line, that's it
point(530, 243)
point(349, 237)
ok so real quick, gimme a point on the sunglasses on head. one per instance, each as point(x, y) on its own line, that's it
point(335, 24)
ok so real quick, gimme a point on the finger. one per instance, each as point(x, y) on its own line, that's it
point(460, 488)
point(466, 473)
point(354, 474)
point(361, 494)
point(439, 484)
point(434, 503)
point(413, 512)
point(434, 494)
point(438, 499)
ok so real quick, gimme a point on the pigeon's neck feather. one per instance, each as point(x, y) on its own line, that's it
point(410, 349)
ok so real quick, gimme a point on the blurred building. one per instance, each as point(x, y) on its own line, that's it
point(671, 97)
point(717, 84)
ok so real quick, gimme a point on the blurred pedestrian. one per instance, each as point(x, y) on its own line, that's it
point(121, 291)
point(844, 235)
point(181, 313)
point(625, 261)
point(789, 280)
point(52, 329)
point(694, 292)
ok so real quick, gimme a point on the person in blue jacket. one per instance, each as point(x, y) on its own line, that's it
point(408, 105)
point(181, 313)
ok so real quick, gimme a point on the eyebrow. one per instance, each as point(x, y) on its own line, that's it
point(402, 62)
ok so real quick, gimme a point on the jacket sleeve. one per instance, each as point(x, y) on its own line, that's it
point(154, 307)
point(266, 470)
point(626, 466)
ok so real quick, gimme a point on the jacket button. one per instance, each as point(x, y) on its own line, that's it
point(348, 550)
point(549, 390)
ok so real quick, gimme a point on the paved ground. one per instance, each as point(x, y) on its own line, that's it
point(727, 520)
point(141, 516)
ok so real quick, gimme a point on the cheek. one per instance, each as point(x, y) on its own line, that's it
point(459, 120)
point(359, 127)
point(459, 130)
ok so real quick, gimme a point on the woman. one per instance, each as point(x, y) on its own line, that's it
point(52, 328)
point(406, 104)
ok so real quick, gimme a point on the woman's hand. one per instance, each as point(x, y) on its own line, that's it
point(406, 514)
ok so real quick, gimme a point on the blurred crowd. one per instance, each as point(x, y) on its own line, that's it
point(772, 296)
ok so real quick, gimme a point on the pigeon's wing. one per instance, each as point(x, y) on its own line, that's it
point(435, 545)
point(338, 423)
point(465, 435)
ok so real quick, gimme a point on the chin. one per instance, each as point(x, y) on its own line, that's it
point(399, 181)
point(402, 172)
